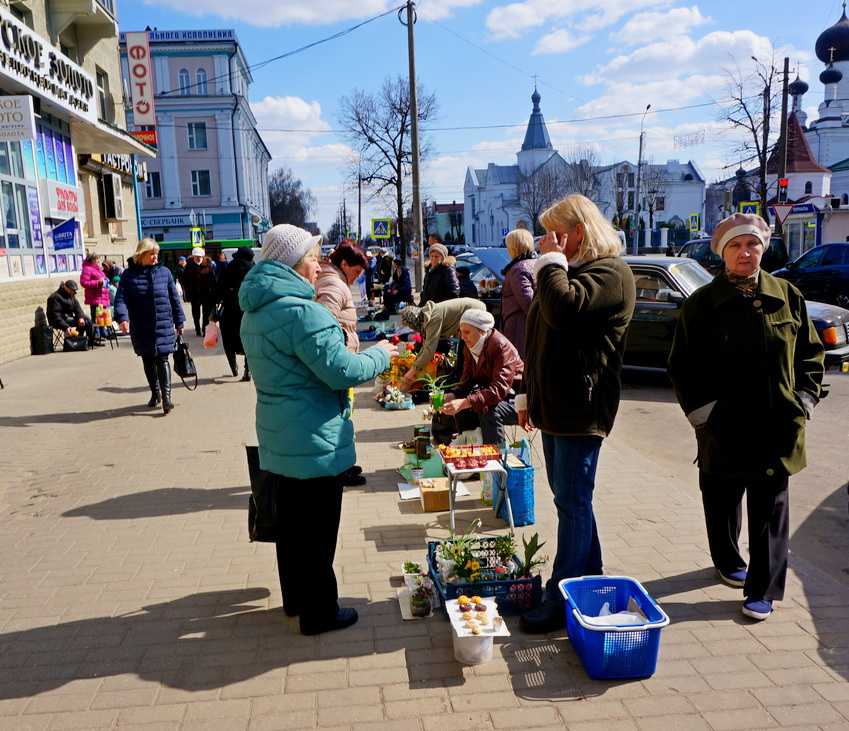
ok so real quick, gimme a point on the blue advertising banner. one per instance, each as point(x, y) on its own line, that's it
point(34, 217)
point(65, 235)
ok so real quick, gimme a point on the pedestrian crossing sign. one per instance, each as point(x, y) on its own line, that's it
point(381, 228)
point(753, 207)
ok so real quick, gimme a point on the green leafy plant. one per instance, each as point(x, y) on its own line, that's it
point(529, 560)
point(505, 547)
point(412, 568)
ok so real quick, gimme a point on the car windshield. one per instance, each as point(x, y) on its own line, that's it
point(690, 274)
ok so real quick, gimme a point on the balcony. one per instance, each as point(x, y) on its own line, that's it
point(94, 20)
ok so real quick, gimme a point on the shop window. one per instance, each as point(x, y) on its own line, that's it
point(201, 79)
point(22, 13)
point(201, 183)
point(159, 238)
point(197, 135)
point(185, 82)
point(153, 186)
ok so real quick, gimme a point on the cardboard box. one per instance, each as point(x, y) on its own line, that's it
point(434, 491)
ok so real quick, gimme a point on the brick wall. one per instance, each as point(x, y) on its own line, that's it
point(17, 312)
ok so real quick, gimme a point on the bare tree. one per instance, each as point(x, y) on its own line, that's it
point(290, 201)
point(538, 190)
point(754, 103)
point(379, 125)
point(654, 190)
point(581, 175)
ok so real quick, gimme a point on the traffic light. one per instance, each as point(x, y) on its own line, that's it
point(782, 189)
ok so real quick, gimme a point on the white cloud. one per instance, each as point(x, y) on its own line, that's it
point(291, 12)
point(628, 96)
point(514, 19)
point(651, 25)
point(559, 41)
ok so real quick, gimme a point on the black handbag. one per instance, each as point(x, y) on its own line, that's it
point(184, 364)
point(75, 344)
point(263, 521)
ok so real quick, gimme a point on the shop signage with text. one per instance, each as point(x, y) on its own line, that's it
point(62, 201)
point(33, 63)
point(17, 118)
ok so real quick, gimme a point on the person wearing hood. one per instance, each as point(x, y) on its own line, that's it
point(519, 287)
point(571, 385)
point(467, 286)
point(302, 372)
point(231, 314)
point(747, 368)
point(199, 283)
point(435, 321)
point(492, 370)
point(440, 282)
point(147, 298)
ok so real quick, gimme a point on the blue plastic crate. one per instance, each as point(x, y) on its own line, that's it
point(520, 487)
point(612, 652)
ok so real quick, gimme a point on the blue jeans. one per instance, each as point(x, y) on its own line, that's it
point(570, 463)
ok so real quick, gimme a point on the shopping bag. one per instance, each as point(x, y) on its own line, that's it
point(184, 364)
point(263, 521)
point(210, 338)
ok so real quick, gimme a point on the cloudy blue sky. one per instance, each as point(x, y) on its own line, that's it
point(593, 58)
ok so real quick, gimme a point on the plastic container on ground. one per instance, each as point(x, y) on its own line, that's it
point(612, 652)
point(472, 650)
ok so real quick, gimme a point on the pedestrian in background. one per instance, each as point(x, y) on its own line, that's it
point(747, 367)
point(96, 287)
point(440, 282)
point(467, 286)
point(398, 290)
point(220, 264)
point(199, 284)
point(147, 300)
point(576, 330)
point(65, 313)
point(230, 312)
point(517, 293)
point(302, 372)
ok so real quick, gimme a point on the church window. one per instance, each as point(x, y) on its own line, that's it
point(630, 199)
point(620, 180)
point(630, 180)
point(809, 187)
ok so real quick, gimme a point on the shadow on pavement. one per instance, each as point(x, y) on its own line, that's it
point(392, 434)
point(79, 417)
point(199, 642)
point(822, 540)
point(646, 386)
point(176, 384)
point(162, 502)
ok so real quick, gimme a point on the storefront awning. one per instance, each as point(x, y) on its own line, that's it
point(93, 138)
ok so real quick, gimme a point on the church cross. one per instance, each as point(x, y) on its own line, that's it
point(535, 77)
point(833, 50)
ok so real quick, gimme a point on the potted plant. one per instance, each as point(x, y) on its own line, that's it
point(420, 603)
point(529, 560)
point(505, 549)
point(437, 386)
point(456, 552)
point(412, 574)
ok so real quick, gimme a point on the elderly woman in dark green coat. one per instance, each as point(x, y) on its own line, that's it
point(747, 366)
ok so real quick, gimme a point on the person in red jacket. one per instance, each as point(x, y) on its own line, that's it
point(491, 368)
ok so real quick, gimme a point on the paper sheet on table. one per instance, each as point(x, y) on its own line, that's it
point(407, 491)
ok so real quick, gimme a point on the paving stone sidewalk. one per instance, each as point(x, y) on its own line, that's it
point(131, 596)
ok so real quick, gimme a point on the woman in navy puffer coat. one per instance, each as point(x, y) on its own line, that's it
point(147, 297)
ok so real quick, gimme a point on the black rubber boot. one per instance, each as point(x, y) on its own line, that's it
point(163, 373)
point(231, 359)
point(246, 376)
point(150, 374)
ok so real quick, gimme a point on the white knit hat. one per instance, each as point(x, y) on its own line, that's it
point(481, 319)
point(198, 251)
point(287, 244)
point(440, 249)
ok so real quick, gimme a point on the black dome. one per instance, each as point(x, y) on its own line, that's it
point(836, 37)
point(831, 76)
point(798, 87)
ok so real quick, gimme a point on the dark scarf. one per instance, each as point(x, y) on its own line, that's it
point(747, 286)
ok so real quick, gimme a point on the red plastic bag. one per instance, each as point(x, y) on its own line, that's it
point(210, 338)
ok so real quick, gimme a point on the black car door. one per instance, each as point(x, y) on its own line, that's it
point(655, 316)
point(802, 273)
point(832, 273)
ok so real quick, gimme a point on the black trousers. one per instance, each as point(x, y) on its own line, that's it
point(201, 306)
point(307, 546)
point(768, 512)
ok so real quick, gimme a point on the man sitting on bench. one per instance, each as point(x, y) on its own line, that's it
point(65, 313)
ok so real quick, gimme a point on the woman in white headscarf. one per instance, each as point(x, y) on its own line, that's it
point(491, 368)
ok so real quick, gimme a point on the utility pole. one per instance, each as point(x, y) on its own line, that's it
point(359, 207)
point(639, 173)
point(414, 139)
point(782, 171)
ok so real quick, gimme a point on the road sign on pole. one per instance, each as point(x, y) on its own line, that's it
point(695, 221)
point(381, 228)
point(782, 211)
point(750, 207)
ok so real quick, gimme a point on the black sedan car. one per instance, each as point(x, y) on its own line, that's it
point(821, 274)
point(699, 250)
point(663, 283)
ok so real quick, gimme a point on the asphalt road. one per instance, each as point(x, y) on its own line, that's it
point(651, 422)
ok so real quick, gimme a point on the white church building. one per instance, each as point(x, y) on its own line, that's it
point(499, 198)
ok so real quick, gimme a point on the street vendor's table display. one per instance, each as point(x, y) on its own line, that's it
point(467, 460)
point(474, 623)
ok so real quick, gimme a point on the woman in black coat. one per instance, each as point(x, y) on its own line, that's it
point(231, 313)
point(440, 282)
point(147, 298)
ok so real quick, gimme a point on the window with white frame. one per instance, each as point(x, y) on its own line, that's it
point(197, 135)
point(201, 183)
point(153, 186)
point(201, 82)
point(185, 82)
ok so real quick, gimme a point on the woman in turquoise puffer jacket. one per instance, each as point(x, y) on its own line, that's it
point(302, 372)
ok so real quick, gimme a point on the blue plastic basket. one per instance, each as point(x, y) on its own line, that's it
point(520, 487)
point(612, 652)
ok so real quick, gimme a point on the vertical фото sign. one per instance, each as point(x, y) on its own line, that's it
point(141, 79)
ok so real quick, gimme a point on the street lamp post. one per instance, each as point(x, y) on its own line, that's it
point(639, 174)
